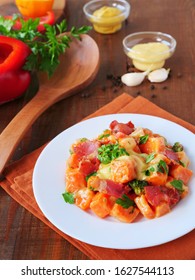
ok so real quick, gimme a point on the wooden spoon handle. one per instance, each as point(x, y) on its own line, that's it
point(15, 130)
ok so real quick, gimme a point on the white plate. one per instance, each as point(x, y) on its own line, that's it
point(48, 186)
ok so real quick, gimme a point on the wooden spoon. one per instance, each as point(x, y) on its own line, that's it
point(78, 67)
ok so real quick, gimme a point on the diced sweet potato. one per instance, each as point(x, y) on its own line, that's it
point(129, 144)
point(101, 205)
point(144, 207)
point(157, 178)
point(124, 215)
point(153, 145)
point(183, 158)
point(185, 191)
point(93, 183)
point(123, 169)
point(181, 173)
point(75, 180)
point(162, 209)
point(83, 198)
point(73, 161)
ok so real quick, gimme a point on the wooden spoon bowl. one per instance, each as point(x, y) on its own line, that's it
point(78, 67)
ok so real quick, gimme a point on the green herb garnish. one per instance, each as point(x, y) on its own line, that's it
point(181, 163)
point(138, 186)
point(177, 147)
point(46, 47)
point(91, 174)
point(178, 184)
point(125, 201)
point(149, 170)
point(68, 197)
point(162, 167)
point(150, 157)
point(104, 136)
point(106, 153)
point(143, 139)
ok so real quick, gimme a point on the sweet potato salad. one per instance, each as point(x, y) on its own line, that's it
point(127, 172)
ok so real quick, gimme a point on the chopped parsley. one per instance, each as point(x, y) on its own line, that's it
point(84, 139)
point(68, 197)
point(150, 157)
point(104, 136)
point(149, 170)
point(91, 174)
point(178, 184)
point(143, 139)
point(181, 163)
point(177, 147)
point(162, 167)
point(138, 186)
point(106, 153)
point(125, 201)
point(92, 189)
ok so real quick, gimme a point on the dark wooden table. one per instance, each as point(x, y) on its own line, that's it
point(23, 236)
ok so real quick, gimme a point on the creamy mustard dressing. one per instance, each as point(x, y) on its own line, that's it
point(104, 171)
point(149, 55)
point(108, 20)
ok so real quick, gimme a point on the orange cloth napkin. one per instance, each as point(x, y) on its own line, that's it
point(18, 184)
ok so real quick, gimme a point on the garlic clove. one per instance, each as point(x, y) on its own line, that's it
point(133, 79)
point(159, 75)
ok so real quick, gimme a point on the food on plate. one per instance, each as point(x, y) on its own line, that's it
point(149, 55)
point(127, 172)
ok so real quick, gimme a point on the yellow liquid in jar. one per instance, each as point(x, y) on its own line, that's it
point(108, 20)
point(149, 55)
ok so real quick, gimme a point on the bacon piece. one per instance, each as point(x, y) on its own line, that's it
point(88, 166)
point(171, 154)
point(114, 189)
point(86, 148)
point(158, 194)
point(127, 128)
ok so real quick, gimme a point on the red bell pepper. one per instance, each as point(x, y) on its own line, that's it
point(49, 18)
point(14, 81)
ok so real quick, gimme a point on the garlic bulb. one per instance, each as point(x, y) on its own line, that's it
point(159, 75)
point(133, 79)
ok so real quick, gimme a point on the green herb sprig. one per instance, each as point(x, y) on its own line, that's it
point(109, 152)
point(150, 157)
point(177, 147)
point(45, 47)
point(162, 167)
point(178, 184)
point(68, 197)
point(143, 139)
point(125, 201)
point(138, 186)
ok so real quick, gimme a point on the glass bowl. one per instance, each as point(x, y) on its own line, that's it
point(149, 50)
point(107, 15)
point(34, 8)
